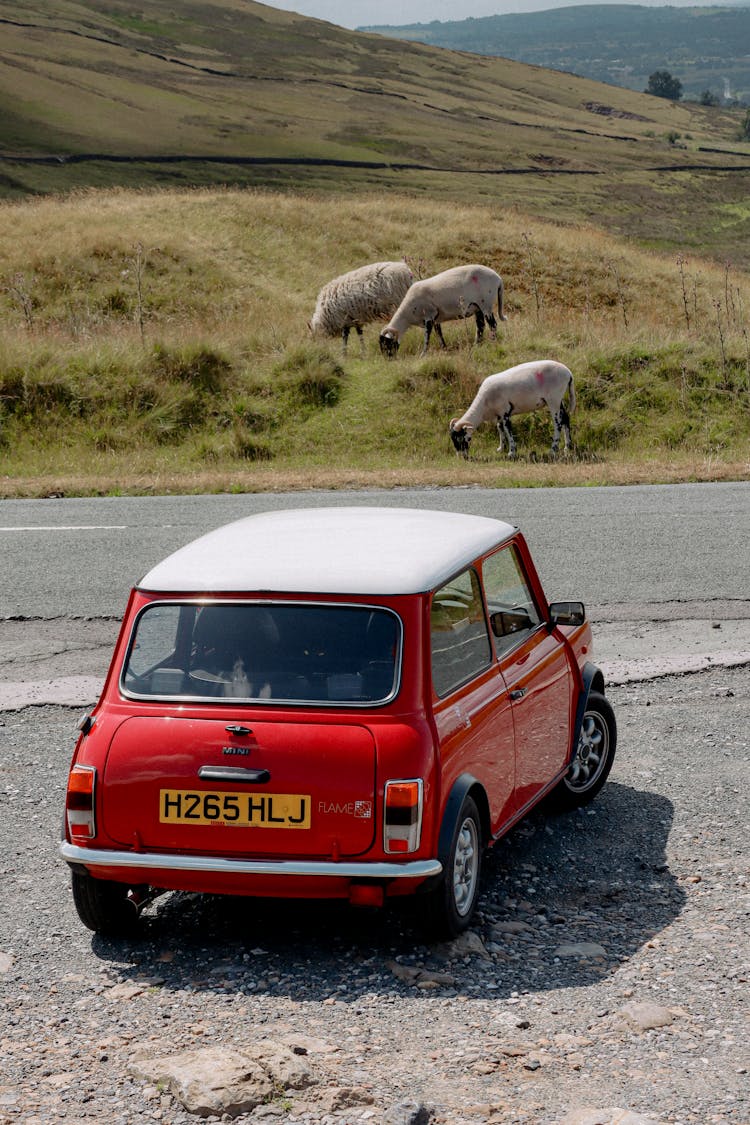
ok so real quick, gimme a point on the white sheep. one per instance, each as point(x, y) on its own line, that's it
point(359, 297)
point(519, 390)
point(451, 295)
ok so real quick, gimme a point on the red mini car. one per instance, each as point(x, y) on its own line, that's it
point(331, 703)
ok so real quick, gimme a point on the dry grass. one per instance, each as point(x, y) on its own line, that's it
point(522, 474)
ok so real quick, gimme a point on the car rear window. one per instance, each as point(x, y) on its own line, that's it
point(290, 652)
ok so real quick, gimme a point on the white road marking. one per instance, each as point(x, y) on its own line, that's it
point(71, 527)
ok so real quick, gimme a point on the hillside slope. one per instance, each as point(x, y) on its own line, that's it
point(231, 91)
point(707, 48)
point(158, 341)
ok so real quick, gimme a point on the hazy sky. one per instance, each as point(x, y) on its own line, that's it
point(363, 13)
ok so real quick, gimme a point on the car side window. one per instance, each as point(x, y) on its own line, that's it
point(510, 603)
point(458, 633)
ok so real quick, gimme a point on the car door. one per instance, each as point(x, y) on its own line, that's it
point(536, 670)
point(472, 710)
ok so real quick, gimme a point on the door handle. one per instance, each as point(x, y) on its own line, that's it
point(518, 693)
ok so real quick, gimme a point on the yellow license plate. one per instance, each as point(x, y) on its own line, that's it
point(243, 810)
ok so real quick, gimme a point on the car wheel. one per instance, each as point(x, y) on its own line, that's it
point(590, 765)
point(104, 907)
point(450, 905)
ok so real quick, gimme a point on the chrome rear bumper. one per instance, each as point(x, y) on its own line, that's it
point(159, 861)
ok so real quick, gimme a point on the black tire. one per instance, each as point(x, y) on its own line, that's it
point(103, 906)
point(449, 906)
point(593, 757)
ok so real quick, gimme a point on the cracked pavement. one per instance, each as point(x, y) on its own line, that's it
point(64, 660)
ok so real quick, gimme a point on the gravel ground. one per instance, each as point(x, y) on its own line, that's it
point(607, 966)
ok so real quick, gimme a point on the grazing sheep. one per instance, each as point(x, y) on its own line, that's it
point(519, 390)
point(451, 295)
point(359, 297)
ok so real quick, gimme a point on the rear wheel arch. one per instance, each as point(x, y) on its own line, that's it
point(447, 907)
point(464, 786)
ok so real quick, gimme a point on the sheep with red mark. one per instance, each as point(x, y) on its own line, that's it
point(359, 297)
point(454, 294)
point(519, 390)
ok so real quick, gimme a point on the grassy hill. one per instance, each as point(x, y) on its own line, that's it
point(200, 92)
point(153, 315)
point(707, 48)
point(157, 341)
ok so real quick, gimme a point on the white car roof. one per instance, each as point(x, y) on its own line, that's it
point(347, 550)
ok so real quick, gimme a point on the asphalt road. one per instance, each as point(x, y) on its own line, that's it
point(663, 572)
point(608, 546)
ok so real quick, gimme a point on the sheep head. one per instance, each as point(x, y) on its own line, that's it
point(460, 436)
point(388, 343)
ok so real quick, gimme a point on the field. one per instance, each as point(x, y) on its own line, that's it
point(157, 341)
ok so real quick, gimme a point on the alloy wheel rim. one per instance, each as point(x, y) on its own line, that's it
point(466, 866)
point(591, 753)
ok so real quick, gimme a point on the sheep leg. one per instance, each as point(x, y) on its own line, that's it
point(500, 436)
point(562, 423)
point(493, 325)
point(361, 339)
point(479, 317)
point(508, 430)
point(427, 333)
point(345, 336)
point(439, 334)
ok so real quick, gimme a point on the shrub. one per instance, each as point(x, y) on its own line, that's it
point(35, 392)
point(309, 376)
point(202, 368)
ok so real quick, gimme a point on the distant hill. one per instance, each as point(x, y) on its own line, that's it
point(198, 92)
point(707, 48)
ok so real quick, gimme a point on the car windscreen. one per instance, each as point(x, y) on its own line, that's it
point(270, 651)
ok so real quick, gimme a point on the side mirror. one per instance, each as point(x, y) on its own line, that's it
point(566, 613)
point(506, 622)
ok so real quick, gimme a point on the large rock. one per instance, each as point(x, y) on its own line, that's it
point(467, 944)
point(645, 1015)
point(217, 1081)
point(582, 949)
point(408, 1113)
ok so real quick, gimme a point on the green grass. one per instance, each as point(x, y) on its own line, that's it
point(159, 341)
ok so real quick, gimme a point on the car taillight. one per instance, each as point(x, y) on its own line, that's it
point(403, 816)
point(79, 803)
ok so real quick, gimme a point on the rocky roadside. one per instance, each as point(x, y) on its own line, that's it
point(605, 979)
